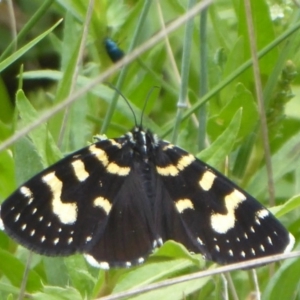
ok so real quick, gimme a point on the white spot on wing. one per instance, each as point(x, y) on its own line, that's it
point(262, 213)
point(100, 154)
point(257, 221)
point(70, 240)
point(66, 212)
point(128, 264)
point(43, 238)
point(1, 222)
point(157, 243)
point(185, 161)
point(183, 204)
point(168, 146)
point(200, 241)
point(290, 245)
point(23, 227)
point(140, 260)
point(167, 171)
point(17, 217)
point(222, 223)
point(55, 242)
point(93, 262)
point(88, 238)
point(217, 248)
point(207, 180)
point(230, 252)
point(113, 168)
point(172, 170)
point(269, 240)
point(262, 248)
point(243, 254)
point(27, 193)
point(32, 232)
point(103, 203)
point(114, 143)
point(79, 170)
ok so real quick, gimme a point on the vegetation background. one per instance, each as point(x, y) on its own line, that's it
point(206, 65)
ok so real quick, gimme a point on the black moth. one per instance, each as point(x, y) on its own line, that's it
point(118, 199)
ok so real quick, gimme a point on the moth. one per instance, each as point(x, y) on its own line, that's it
point(118, 199)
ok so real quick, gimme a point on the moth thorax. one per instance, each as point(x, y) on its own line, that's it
point(142, 143)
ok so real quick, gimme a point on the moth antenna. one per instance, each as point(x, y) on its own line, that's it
point(120, 93)
point(146, 102)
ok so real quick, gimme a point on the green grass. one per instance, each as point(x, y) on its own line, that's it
point(234, 142)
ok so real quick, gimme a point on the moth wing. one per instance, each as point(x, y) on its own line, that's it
point(129, 235)
point(222, 221)
point(56, 212)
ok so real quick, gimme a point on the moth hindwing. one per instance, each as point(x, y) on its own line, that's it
point(118, 199)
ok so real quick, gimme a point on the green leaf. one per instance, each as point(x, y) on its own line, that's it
point(242, 98)
point(57, 293)
point(60, 125)
point(80, 277)
point(27, 161)
point(215, 154)
point(13, 269)
point(264, 33)
point(178, 291)
point(7, 288)
point(40, 137)
point(7, 175)
point(56, 271)
point(290, 205)
point(6, 111)
point(17, 54)
point(285, 282)
point(284, 161)
point(151, 272)
point(173, 249)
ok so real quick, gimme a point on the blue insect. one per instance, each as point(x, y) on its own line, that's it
point(113, 51)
